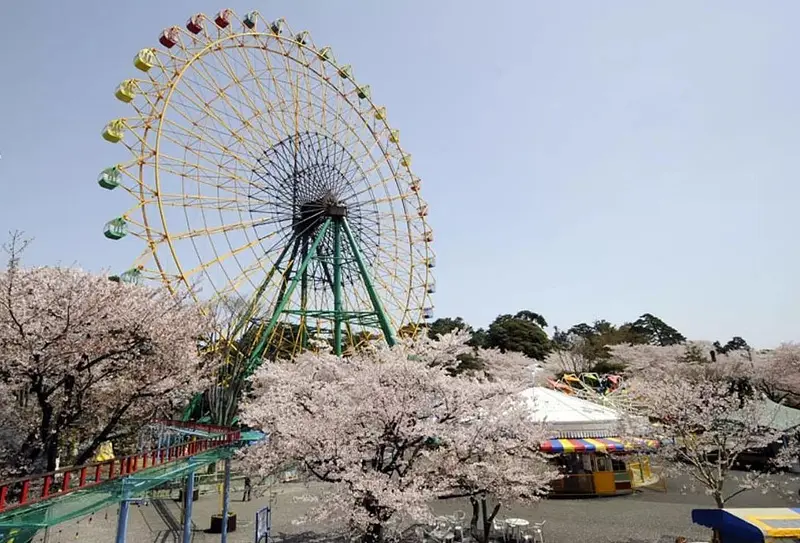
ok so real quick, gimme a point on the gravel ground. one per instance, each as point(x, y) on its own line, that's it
point(644, 517)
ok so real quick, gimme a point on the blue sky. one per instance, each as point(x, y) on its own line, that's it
point(581, 159)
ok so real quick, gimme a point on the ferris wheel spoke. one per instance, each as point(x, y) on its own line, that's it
point(278, 89)
point(269, 106)
point(295, 92)
point(337, 107)
point(224, 184)
point(277, 186)
point(211, 178)
point(199, 201)
point(296, 69)
point(267, 136)
point(206, 130)
point(189, 171)
point(221, 258)
point(247, 276)
point(227, 228)
point(346, 132)
point(252, 73)
point(220, 152)
point(226, 73)
point(218, 229)
point(313, 87)
point(283, 244)
point(219, 91)
point(346, 128)
point(223, 150)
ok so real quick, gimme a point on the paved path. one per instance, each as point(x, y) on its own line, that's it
point(643, 517)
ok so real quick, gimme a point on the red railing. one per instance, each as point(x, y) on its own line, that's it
point(36, 488)
point(211, 429)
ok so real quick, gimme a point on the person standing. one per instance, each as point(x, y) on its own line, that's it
point(248, 489)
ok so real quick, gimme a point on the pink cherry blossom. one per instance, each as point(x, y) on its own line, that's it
point(709, 413)
point(87, 360)
point(391, 430)
point(782, 372)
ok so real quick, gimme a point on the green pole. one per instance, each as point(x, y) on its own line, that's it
point(288, 294)
point(261, 289)
point(388, 333)
point(337, 287)
point(197, 399)
point(304, 300)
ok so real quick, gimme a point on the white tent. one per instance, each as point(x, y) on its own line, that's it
point(569, 417)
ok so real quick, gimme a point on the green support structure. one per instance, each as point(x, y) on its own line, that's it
point(386, 327)
point(333, 222)
point(377, 317)
point(256, 354)
point(193, 410)
point(337, 288)
point(260, 292)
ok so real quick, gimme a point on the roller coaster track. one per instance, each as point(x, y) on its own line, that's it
point(39, 501)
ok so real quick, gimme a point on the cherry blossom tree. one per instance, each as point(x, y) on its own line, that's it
point(391, 430)
point(498, 457)
point(452, 349)
point(84, 359)
point(709, 421)
point(782, 372)
point(568, 360)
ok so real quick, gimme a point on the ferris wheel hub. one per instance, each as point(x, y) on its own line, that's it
point(311, 215)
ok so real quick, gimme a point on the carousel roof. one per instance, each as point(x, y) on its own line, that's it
point(570, 417)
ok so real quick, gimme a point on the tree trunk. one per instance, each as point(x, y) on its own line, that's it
point(374, 534)
point(473, 522)
point(716, 536)
point(487, 519)
point(51, 452)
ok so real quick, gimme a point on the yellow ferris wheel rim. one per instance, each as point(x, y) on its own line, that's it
point(172, 108)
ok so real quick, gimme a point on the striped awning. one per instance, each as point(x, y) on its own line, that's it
point(597, 444)
point(755, 525)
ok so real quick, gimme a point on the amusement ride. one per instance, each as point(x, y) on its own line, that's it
point(264, 177)
point(604, 389)
point(267, 182)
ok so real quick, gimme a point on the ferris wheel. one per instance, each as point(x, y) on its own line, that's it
point(263, 173)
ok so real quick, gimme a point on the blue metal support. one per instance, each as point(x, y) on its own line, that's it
point(226, 501)
point(188, 502)
point(124, 510)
